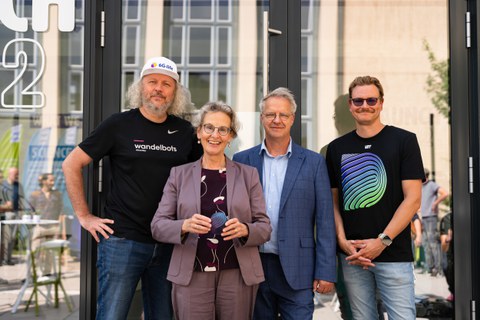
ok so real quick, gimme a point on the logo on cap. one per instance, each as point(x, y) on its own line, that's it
point(160, 65)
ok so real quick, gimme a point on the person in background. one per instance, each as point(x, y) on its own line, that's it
point(213, 210)
point(4, 206)
point(48, 204)
point(300, 257)
point(13, 203)
point(446, 241)
point(432, 196)
point(376, 174)
point(143, 144)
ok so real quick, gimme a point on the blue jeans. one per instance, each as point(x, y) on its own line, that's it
point(394, 281)
point(121, 264)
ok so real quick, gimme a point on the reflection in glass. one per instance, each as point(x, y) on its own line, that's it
point(76, 46)
point(76, 80)
point(36, 141)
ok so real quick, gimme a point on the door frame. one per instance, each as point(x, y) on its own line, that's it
point(464, 147)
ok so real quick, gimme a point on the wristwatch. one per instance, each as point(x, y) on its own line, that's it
point(386, 241)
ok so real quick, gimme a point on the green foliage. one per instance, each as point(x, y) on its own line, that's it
point(437, 82)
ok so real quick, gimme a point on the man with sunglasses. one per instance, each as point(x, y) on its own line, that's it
point(142, 144)
point(376, 175)
point(300, 258)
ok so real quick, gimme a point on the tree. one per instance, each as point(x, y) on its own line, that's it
point(437, 82)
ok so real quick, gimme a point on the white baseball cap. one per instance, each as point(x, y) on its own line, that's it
point(160, 65)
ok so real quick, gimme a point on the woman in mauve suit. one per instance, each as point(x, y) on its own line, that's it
point(213, 210)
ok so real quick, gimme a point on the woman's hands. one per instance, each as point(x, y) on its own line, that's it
point(234, 229)
point(197, 224)
point(201, 224)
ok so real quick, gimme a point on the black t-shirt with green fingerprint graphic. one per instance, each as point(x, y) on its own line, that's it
point(368, 173)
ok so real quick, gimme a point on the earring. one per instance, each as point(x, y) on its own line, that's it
point(228, 145)
point(198, 141)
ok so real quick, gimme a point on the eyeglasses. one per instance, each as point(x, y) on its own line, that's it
point(210, 129)
point(358, 102)
point(272, 115)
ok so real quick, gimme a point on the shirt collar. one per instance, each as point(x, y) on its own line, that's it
point(264, 150)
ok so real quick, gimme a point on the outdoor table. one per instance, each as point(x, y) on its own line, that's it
point(29, 223)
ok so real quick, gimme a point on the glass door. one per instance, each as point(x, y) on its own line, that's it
point(406, 45)
point(41, 92)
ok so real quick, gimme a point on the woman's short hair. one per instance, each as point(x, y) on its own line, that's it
point(218, 106)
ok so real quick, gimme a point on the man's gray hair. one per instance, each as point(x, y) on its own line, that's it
point(181, 104)
point(280, 92)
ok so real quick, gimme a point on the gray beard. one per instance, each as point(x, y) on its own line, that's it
point(158, 111)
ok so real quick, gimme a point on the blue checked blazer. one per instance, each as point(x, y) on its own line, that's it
point(306, 227)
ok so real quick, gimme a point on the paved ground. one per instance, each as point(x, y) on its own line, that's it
point(325, 309)
point(424, 284)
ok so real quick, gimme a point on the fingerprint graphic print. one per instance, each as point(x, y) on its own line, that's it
point(364, 180)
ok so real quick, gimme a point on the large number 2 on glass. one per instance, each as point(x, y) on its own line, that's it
point(22, 64)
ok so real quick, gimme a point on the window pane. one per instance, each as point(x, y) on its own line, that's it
point(176, 43)
point(224, 9)
point(223, 84)
point(223, 45)
point(132, 9)
point(201, 9)
point(176, 7)
point(199, 84)
point(76, 45)
point(131, 45)
point(75, 91)
point(200, 45)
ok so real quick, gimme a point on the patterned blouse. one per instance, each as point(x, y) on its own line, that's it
point(213, 253)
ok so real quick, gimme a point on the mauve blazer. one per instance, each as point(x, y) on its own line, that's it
point(181, 200)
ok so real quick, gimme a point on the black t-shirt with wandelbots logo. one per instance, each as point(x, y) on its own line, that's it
point(141, 154)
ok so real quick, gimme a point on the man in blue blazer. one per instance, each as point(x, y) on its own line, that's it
point(300, 258)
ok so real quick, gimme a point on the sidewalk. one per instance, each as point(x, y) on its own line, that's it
point(14, 275)
point(324, 310)
point(424, 284)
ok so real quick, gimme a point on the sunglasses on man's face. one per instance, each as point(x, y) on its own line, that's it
point(358, 102)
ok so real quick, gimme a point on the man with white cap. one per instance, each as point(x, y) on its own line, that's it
point(143, 144)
